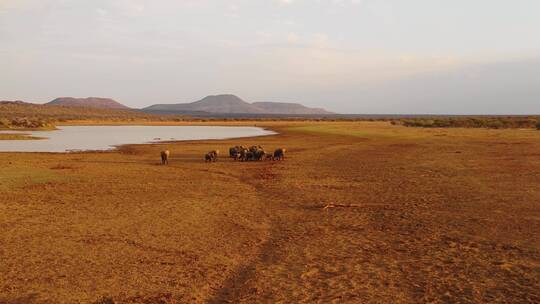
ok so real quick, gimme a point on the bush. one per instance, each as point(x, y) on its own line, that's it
point(538, 125)
point(29, 123)
point(442, 123)
point(495, 124)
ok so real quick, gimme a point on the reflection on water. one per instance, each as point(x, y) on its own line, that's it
point(75, 138)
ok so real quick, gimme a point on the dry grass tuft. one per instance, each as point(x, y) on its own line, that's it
point(62, 167)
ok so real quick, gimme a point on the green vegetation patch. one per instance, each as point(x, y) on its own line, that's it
point(345, 130)
point(495, 122)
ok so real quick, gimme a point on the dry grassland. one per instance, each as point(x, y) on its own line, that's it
point(412, 215)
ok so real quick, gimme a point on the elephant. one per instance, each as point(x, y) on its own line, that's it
point(235, 152)
point(249, 156)
point(211, 156)
point(243, 154)
point(259, 154)
point(254, 148)
point(279, 154)
point(165, 157)
point(214, 154)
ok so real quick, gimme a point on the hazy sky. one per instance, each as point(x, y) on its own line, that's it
point(360, 56)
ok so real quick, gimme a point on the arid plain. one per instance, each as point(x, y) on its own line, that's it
point(412, 215)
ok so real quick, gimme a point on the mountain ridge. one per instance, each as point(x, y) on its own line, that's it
point(272, 107)
point(14, 102)
point(232, 104)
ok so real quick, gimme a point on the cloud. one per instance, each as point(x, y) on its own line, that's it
point(285, 2)
point(8, 5)
point(292, 46)
point(292, 38)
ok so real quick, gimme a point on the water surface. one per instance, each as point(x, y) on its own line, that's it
point(80, 138)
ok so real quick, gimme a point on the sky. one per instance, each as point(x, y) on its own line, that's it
point(348, 56)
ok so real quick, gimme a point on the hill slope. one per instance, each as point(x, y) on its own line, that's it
point(288, 108)
point(231, 104)
point(14, 102)
point(90, 102)
point(29, 115)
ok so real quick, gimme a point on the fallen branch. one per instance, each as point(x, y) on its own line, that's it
point(332, 205)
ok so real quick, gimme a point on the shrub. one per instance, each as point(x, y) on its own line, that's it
point(495, 124)
point(442, 123)
point(29, 123)
point(538, 125)
point(428, 123)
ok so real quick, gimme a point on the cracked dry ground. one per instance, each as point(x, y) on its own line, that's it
point(420, 216)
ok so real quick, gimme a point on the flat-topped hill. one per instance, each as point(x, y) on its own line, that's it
point(232, 104)
point(89, 102)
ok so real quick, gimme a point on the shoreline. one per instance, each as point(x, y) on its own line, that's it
point(116, 147)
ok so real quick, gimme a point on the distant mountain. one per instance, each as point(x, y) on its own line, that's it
point(231, 104)
point(90, 102)
point(288, 108)
point(211, 104)
point(13, 102)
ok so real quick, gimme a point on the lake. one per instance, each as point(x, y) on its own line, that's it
point(80, 138)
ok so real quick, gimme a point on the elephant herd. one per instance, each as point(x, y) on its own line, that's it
point(241, 153)
point(254, 153)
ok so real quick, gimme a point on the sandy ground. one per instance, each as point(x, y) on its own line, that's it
point(420, 215)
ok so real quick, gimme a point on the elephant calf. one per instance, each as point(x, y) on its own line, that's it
point(269, 156)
